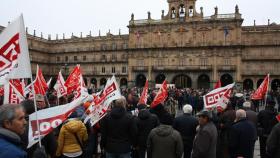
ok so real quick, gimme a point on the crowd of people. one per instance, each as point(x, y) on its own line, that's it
point(179, 127)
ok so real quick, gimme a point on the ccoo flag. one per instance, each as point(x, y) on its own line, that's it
point(14, 54)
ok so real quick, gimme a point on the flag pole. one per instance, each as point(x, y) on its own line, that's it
point(36, 110)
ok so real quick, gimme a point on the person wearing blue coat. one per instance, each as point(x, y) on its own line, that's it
point(12, 124)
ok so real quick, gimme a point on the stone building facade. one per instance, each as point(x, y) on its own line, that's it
point(184, 47)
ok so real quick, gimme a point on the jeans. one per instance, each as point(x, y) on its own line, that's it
point(115, 155)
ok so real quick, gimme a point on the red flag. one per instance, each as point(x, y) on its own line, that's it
point(144, 95)
point(73, 81)
point(40, 84)
point(218, 84)
point(278, 117)
point(262, 90)
point(161, 95)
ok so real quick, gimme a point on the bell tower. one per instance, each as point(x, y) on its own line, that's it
point(182, 9)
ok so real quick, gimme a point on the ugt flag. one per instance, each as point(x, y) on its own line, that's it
point(14, 55)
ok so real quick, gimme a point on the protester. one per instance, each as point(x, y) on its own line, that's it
point(164, 141)
point(12, 125)
point(242, 137)
point(266, 121)
point(118, 131)
point(226, 119)
point(205, 141)
point(186, 125)
point(145, 123)
point(250, 114)
point(49, 141)
point(72, 138)
point(273, 150)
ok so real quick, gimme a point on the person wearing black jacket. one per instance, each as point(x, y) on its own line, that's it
point(186, 126)
point(243, 136)
point(266, 121)
point(118, 131)
point(145, 123)
point(273, 142)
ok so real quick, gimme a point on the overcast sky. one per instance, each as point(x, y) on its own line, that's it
point(67, 16)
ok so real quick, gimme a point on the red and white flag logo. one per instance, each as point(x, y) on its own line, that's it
point(14, 55)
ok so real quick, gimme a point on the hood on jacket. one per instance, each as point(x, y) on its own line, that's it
point(10, 136)
point(164, 130)
point(73, 125)
point(117, 112)
point(144, 114)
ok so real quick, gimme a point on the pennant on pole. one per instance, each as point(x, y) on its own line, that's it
point(212, 99)
point(144, 95)
point(40, 84)
point(218, 84)
point(161, 95)
point(73, 81)
point(14, 54)
point(59, 86)
point(262, 90)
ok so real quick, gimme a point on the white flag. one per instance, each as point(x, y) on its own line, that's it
point(211, 99)
point(14, 54)
point(59, 86)
point(110, 93)
point(49, 119)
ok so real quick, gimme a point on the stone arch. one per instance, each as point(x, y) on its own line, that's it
point(140, 80)
point(182, 81)
point(203, 81)
point(248, 84)
point(123, 82)
point(160, 78)
point(275, 84)
point(226, 79)
point(93, 82)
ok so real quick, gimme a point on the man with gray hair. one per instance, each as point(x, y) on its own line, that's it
point(186, 125)
point(12, 124)
point(242, 137)
point(250, 114)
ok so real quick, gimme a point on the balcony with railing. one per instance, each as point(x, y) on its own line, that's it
point(226, 67)
point(271, 71)
point(140, 68)
point(162, 21)
point(183, 68)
